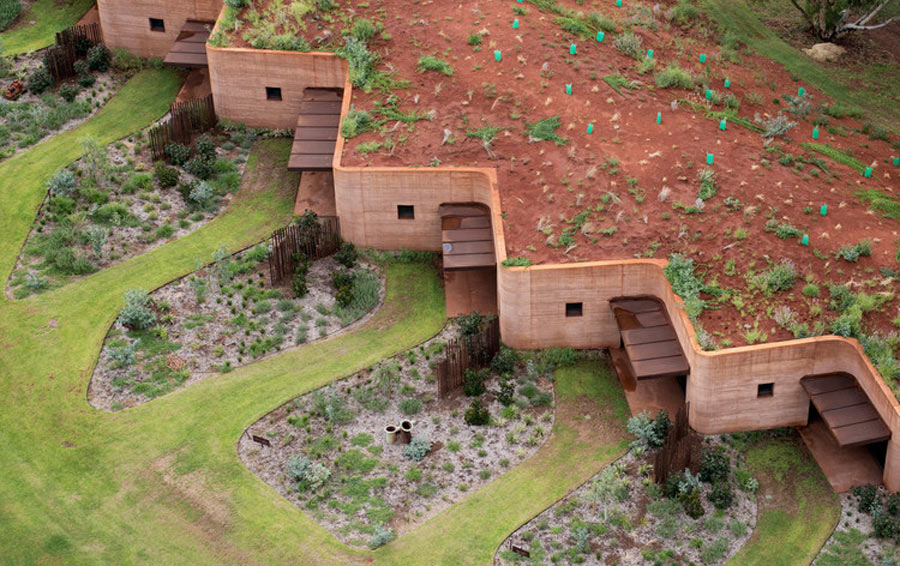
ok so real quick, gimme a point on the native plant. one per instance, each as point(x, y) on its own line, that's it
point(137, 313)
point(417, 449)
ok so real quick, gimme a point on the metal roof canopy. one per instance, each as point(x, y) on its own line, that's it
point(846, 409)
point(650, 341)
point(189, 49)
point(468, 241)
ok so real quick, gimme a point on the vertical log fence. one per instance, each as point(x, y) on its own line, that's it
point(676, 453)
point(185, 119)
point(467, 352)
point(71, 45)
point(313, 240)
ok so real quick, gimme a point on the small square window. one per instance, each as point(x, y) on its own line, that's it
point(406, 212)
point(574, 309)
point(273, 93)
point(157, 24)
point(765, 389)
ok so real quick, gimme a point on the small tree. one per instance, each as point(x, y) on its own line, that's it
point(830, 19)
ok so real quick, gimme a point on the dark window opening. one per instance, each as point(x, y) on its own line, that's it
point(273, 93)
point(405, 212)
point(765, 389)
point(156, 24)
point(574, 309)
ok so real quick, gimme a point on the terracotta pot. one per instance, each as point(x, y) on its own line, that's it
point(391, 434)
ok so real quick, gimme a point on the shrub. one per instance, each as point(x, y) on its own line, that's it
point(673, 77)
point(206, 148)
point(381, 535)
point(867, 500)
point(363, 30)
point(200, 195)
point(507, 391)
point(848, 324)
point(780, 125)
point(707, 184)
point(136, 313)
point(99, 58)
point(629, 44)
point(690, 501)
point(40, 80)
point(886, 527)
point(429, 63)
point(298, 283)
point(166, 177)
point(343, 284)
point(685, 14)
point(288, 42)
point(779, 277)
point(649, 433)
point(137, 182)
point(9, 11)
point(721, 495)
point(310, 476)
point(417, 449)
point(854, 252)
point(474, 39)
point(124, 355)
point(86, 80)
point(68, 92)
point(715, 465)
point(361, 63)
point(200, 166)
point(366, 294)
point(347, 255)
point(477, 414)
point(62, 183)
point(470, 324)
point(504, 361)
point(473, 385)
point(126, 63)
point(410, 406)
point(545, 130)
point(178, 153)
point(745, 480)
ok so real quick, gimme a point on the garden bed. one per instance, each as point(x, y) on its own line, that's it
point(329, 454)
point(219, 318)
point(115, 203)
point(43, 109)
point(621, 516)
point(868, 532)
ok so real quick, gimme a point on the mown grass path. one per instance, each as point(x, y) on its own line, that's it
point(797, 508)
point(49, 17)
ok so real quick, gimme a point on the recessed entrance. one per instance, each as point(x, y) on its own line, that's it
point(470, 266)
point(650, 363)
point(844, 431)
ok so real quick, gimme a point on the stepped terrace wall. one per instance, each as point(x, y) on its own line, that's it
point(722, 386)
point(126, 23)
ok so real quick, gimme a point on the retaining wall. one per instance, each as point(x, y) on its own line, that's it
point(722, 386)
point(126, 23)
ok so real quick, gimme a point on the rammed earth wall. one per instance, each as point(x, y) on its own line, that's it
point(126, 23)
point(722, 386)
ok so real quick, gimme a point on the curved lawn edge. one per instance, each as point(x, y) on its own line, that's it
point(50, 17)
point(798, 510)
point(143, 99)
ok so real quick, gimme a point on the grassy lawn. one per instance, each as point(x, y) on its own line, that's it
point(143, 99)
point(797, 508)
point(49, 16)
point(878, 105)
